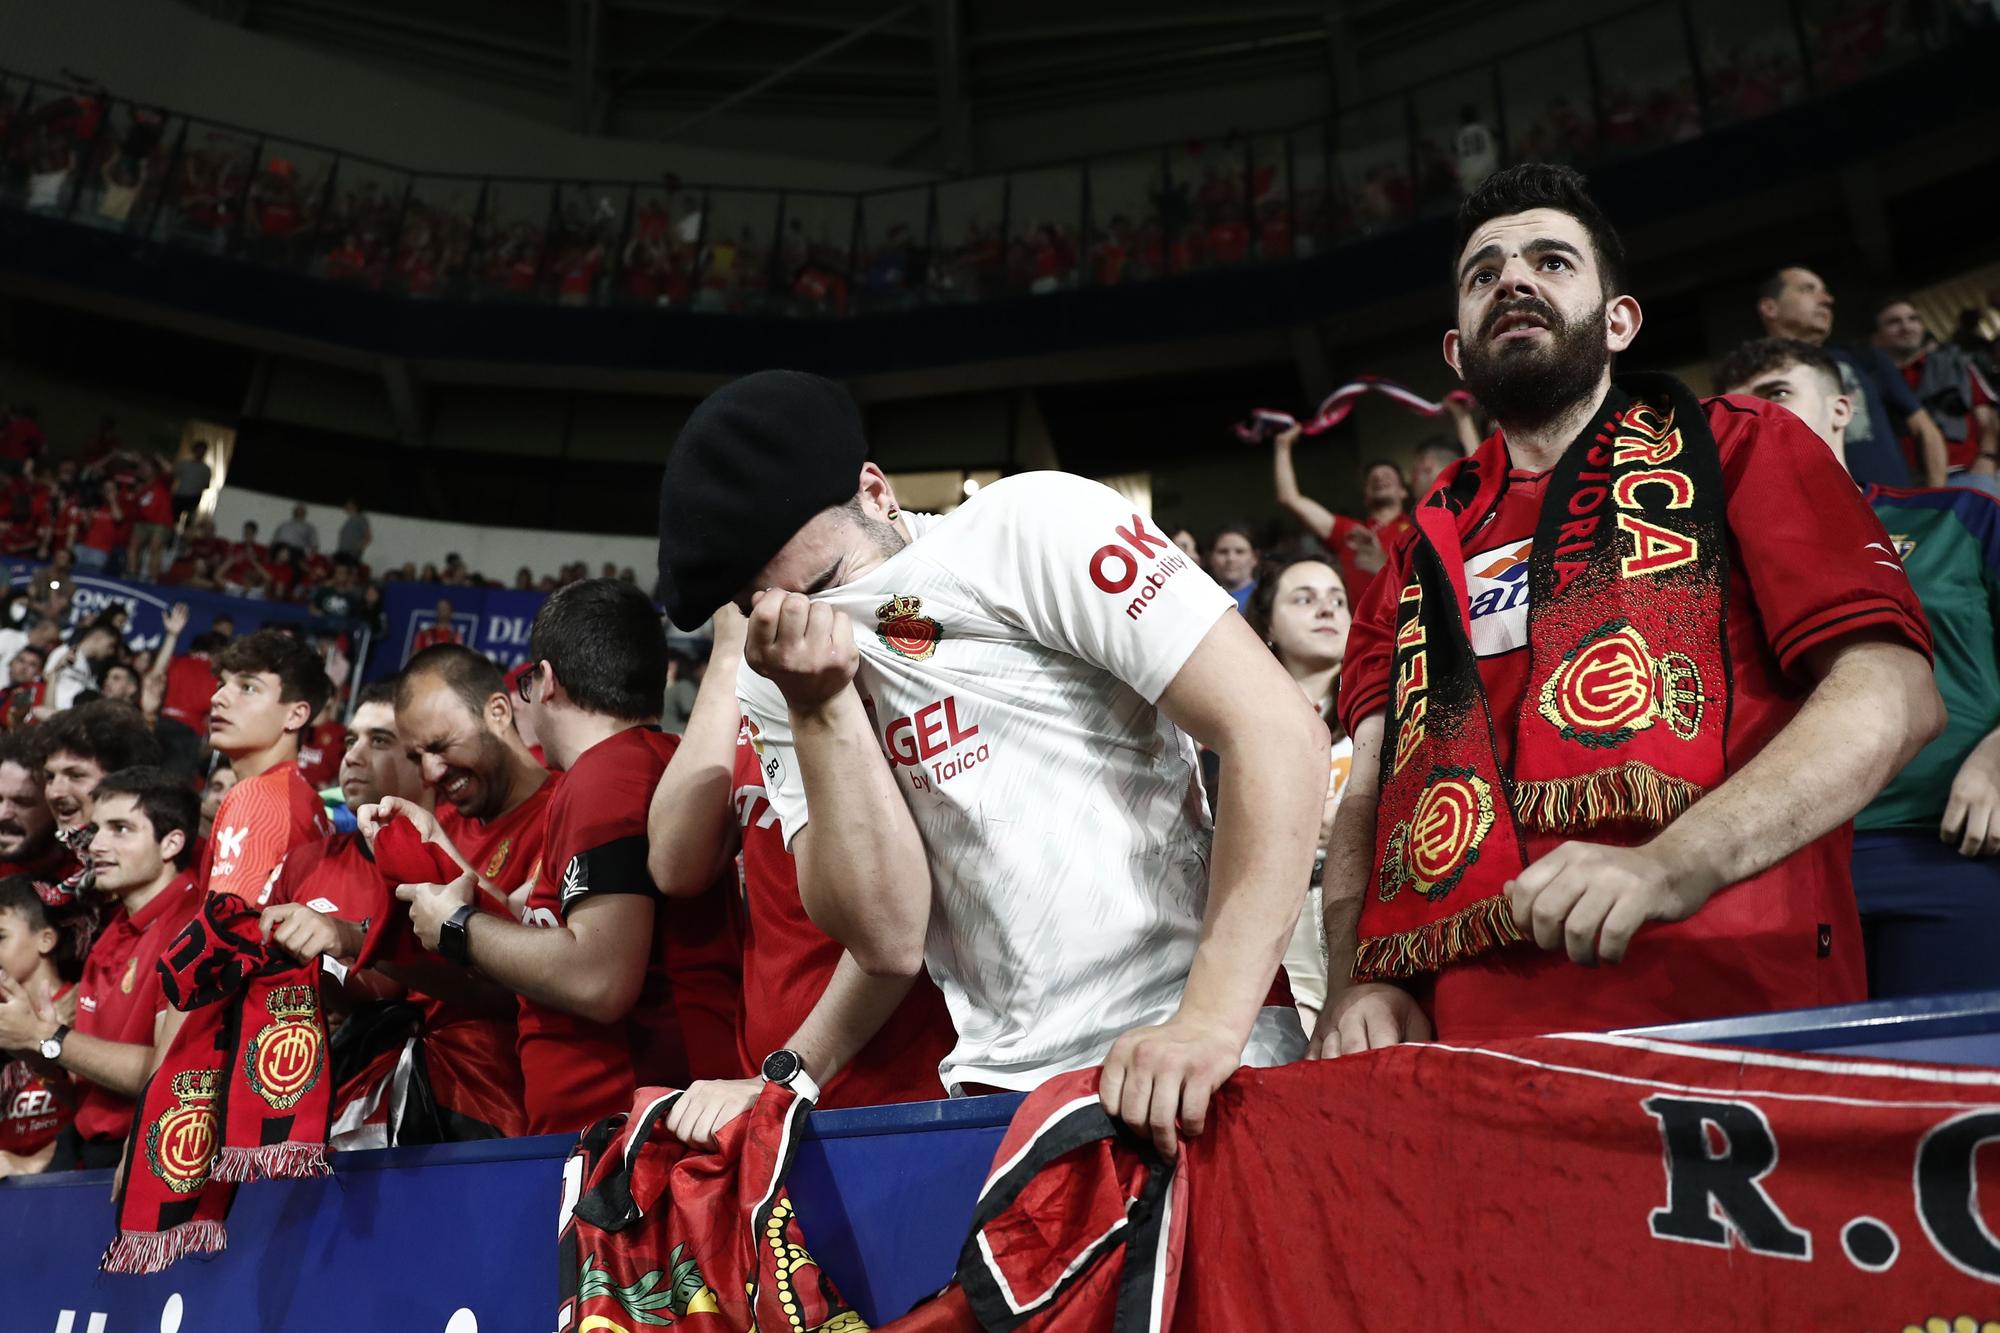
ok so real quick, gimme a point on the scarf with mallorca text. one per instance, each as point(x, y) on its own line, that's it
point(1629, 677)
point(240, 1095)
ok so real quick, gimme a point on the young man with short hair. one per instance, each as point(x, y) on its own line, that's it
point(619, 987)
point(269, 687)
point(1356, 544)
point(979, 734)
point(1650, 756)
point(1927, 848)
point(139, 853)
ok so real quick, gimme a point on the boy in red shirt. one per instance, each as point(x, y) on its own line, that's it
point(37, 961)
point(145, 821)
point(619, 987)
point(1713, 661)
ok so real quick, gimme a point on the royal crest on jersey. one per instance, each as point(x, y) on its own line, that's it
point(180, 1145)
point(1904, 545)
point(903, 628)
point(499, 859)
point(1430, 851)
point(1612, 686)
point(283, 1061)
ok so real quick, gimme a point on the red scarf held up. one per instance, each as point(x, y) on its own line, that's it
point(241, 1094)
point(403, 857)
point(1628, 669)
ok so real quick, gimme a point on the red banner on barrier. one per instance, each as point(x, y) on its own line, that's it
point(1614, 1182)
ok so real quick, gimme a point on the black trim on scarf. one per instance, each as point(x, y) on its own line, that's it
point(610, 1206)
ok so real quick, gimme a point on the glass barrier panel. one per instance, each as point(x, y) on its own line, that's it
point(1312, 197)
point(1458, 138)
point(1268, 186)
point(1848, 40)
point(119, 169)
point(893, 258)
point(1209, 185)
point(510, 239)
point(1750, 59)
point(968, 262)
point(1648, 84)
point(205, 196)
point(656, 266)
point(1372, 154)
point(814, 260)
point(282, 210)
point(1126, 194)
point(735, 264)
point(50, 132)
point(589, 220)
point(1545, 92)
point(436, 234)
point(358, 227)
point(1044, 213)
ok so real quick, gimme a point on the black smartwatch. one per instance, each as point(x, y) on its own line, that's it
point(788, 1069)
point(453, 942)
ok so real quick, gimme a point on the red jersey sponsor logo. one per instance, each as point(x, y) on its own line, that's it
point(1114, 567)
point(933, 739)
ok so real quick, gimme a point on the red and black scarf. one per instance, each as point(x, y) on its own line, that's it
point(1629, 679)
point(242, 1093)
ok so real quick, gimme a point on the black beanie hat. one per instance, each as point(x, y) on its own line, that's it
point(755, 462)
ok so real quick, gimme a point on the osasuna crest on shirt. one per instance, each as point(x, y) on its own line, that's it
point(1012, 657)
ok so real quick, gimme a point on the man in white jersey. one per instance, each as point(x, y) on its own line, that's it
point(975, 731)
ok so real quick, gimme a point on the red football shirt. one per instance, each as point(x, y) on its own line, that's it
point(261, 821)
point(120, 997)
point(1809, 564)
point(432, 635)
point(788, 961)
point(320, 751)
point(156, 503)
point(1958, 453)
point(1356, 579)
point(190, 687)
point(684, 1024)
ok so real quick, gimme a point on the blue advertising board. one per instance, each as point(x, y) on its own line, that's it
point(146, 603)
point(493, 621)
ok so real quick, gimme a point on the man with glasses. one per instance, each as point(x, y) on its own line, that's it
point(619, 988)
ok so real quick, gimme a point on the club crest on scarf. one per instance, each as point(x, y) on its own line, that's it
point(283, 1061)
point(181, 1143)
point(1431, 851)
point(1612, 686)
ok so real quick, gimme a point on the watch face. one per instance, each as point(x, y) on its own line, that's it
point(781, 1067)
point(51, 1048)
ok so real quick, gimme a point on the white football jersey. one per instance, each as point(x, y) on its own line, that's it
point(1011, 657)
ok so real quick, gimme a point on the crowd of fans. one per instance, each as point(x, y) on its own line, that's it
point(116, 164)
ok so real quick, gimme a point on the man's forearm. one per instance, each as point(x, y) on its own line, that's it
point(849, 1012)
point(862, 873)
point(115, 1066)
point(1875, 707)
point(1930, 448)
point(688, 827)
point(545, 964)
point(1285, 477)
point(1265, 833)
point(1350, 866)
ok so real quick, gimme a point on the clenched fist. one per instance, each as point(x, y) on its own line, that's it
point(803, 647)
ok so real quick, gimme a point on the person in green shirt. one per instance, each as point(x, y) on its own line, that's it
point(1927, 849)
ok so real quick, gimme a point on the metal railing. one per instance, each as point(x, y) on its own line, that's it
point(1659, 73)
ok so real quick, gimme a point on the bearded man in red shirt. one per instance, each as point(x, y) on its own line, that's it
point(1619, 696)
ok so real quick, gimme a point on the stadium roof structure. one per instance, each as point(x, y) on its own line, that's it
point(677, 70)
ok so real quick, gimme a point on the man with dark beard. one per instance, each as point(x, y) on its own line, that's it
point(28, 843)
point(1637, 670)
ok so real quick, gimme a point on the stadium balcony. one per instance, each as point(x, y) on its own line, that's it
point(150, 208)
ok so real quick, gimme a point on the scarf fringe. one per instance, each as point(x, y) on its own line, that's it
point(1486, 924)
point(272, 1161)
point(1632, 790)
point(153, 1251)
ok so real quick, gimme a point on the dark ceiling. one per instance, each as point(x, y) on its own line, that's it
point(661, 69)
